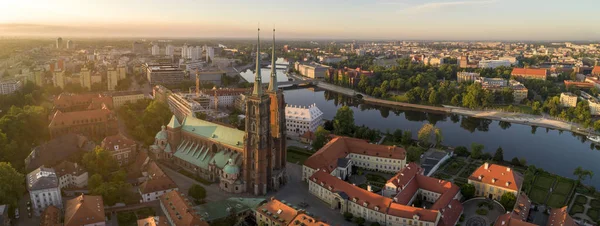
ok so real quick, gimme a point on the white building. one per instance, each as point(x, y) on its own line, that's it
point(300, 119)
point(10, 86)
point(210, 53)
point(155, 50)
point(494, 63)
point(464, 76)
point(222, 98)
point(195, 52)
point(184, 50)
point(44, 190)
point(156, 184)
point(71, 175)
point(169, 50)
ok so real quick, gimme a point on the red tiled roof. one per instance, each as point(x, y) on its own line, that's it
point(596, 70)
point(509, 220)
point(80, 117)
point(157, 181)
point(83, 210)
point(307, 220)
point(451, 213)
point(497, 175)
point(409, 212)
point(278, 211)
point(447, 190)
point(340, 147)
point(123, 142)
point(153, 221)
point(405, 175)
point(522, 207)
point(50, 216)
point(529, 72)
point(560, 217)
point(180, 210)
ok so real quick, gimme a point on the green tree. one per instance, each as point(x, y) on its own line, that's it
point(99, 161)
point(406, 138)
point(413, 154)
point(348, 216)
point(476, 150)
point(499, 155)
point(582, 173)
point(359, 221)
point(430, 134)
point(95, 181)
point(197, 192)
point(515, 161)
point(397, 136)
point(114, 192)
point(343, 122)
point(12, 185)
point(508, 200)
point(467, 190)
point(320, 138)
point(462, 151)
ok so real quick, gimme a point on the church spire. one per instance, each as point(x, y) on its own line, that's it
point(273, 82)
point(257, 79)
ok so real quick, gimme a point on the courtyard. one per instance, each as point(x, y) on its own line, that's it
point(481, 212)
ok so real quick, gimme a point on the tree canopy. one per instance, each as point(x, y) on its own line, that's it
point(343, 122)
point(12, 184)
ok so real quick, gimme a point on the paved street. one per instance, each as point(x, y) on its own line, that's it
point(213, 192)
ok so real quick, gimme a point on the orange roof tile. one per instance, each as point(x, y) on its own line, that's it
point(50, 216)
point(303, 219)
point(509, 220)
point(451, 213)
point(123, 142)
point(157, 181)
point(529, 72)
point(278, 211)
point(497, 175)
point(405, 175)
point(409, 212)
point(60, 119)
point(83, 210)
point(596, 70)
point(339, 147)
point(560, 217)
point(180, 210)
point(522, 207)
point(153, 221)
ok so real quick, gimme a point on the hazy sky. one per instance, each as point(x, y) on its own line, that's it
point(348, 19)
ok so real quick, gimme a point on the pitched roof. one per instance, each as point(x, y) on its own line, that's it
point(174, 123)
point(153, 221)
point(596, 70)
point(560, 217)
point(307, 220)
point(117, 141)
point(50, 216)
point(214, 132)
point(497, 175)
point(402, 178)
point(80, 117)
point(66, 167)
point(66, 100)
point(42, 178)
point(509, 220)
point(522, 207)
point(533, 72)
point(278, 211)
point(218, 210)
point(340, 147)
point(83, 210)
point(57, 149)
point(179, 210)
point(451, 213)
point(157, 180)
point(200, 155)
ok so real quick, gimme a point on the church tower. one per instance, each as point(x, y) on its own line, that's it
point(278, 129)
point(258, 164)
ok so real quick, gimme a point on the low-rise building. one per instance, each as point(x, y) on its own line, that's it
point(95, 124)
point(529, 73)
point(42, 184)
point(596, 71)
point(492, 181)
point(121, 98)
point(68, 102)
point(85, 210)
point(10, 86)
point(275, 212)
point(156, 184)
point(51, 216)
point(519, 91)
point(302, 119)
point(594, 106)
point(332, 59)
point(464, 76)
point(71, 175)
point(491, 82)
point(177, 208)
point(568, 99)
point(122, 149)
point(223, 98)
point(58, 150)
point(153, 221)
point(311, 69)
point(218, 212)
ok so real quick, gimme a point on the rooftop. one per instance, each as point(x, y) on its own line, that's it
point(178, 208)
point(497, 175)
point(83, 210)
point(42, 178)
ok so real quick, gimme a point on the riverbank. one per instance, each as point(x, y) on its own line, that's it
point(518, 118)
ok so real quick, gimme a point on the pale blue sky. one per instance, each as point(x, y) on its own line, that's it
point(350, 19)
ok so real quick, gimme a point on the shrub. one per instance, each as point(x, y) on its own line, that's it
point(359, 221)
point(197, 192)
point(482, 211)
point(348, 216)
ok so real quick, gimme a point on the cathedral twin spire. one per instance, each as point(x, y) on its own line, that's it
point(258, 77)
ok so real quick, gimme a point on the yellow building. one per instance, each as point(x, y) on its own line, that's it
point(85, 78)
point(121, 98)
point(568, 100)
point(38, 77)
point(58, 79)
point(113, 77)
point(492, 181)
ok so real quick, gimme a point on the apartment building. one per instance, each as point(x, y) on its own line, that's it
point(44, 190)
point(311, 69)
point(71, 175)
point(10, 86)
point(464, 76)
point(302, 119)
point(121, 98)
point(122, 149)
point(164, 74)
point(568, 99)
point(492, 181)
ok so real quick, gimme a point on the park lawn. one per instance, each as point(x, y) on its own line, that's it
point(580, 199)
point(564, 187)
point(538, 195)
point(441, 175)
point(557, 200)
point(399, 98)
point(544, 181)
point(576, 208)
point(454, 166)
point(469, 170)
point(593, 213)
point(375, 178)
point(297, 155)
point(520, 108)
point(595, 203)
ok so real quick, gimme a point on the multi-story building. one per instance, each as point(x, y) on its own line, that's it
point(596, 71)
point(568, 100)
point(491, 82)
point(51, 217)
point(59, 43)
point(157, 183)
point(433, 61)
point(10, 86)
point(519, 91)
point(465, 62)
point(58, 79)
point(164, 74)
point(341, 153)
point(85, 78)
point(85, 210)
point(112, 76)
point(277, 212)
point(332, 59)
point(122, 71)
point(594, 106)
point(177, 208)
point(71, 175)
point(122, 149)
point(95, 124)
point(188, 104)
point(155, 50)
point(529, 73)
point(121, 98)
point(169, 50)
point(466, 76)
point(492, 181)
point(494, 63)
point(223, 98)
point(42, 184)
point(70, 44)
point(210, 54)
point(68, 102)
point(38, 77)
point(311, 70)
point(301, 119)
point(347, 75)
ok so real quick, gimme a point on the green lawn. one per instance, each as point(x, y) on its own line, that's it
point(576, 209)
point(544, 181)
point(538, 195)
point(399, 98)
point(297, 155)
point(441, 175)
point(557, 200)
point(564, 187)
point(468, 170)
point(595, 203)
point(580, 199)
point(518, 108)
point(376, 178)
point(593, 213)
point(454, 166)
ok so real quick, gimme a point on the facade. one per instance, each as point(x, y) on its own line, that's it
point(71, 175)
point(519, 91)
point(164, 74)
point(341, 153)
point(494, 63)
point(177, 208)
point(85, 78)
point(466, 76)
point(332, 59)
point(112, 76)
point(85, 210)
point(187, 104)
point(169, 50)
point(432, 60)
point(486, 82)
point(216, 152)
point(223, 98)
point(157, 183)
point(10, 86)
point(121, 98)
point(155, 50)
point(58, 79)
point(122, 71)
point(95, 124)
point(279, 213)
point(69, 44)
point(347, 75)
point(568, 100)
point(122, 149)
point(311, 70)
point(44, 190)
point(492, 181)
point(302, 119)
point(594, 106)
point(529, 73)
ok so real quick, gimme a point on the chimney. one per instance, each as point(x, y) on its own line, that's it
point(369, 188)
point(493, 180)
point(507, 183)
point(486, 165)
point(507, 169)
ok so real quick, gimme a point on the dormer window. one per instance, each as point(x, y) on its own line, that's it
point(354, 200)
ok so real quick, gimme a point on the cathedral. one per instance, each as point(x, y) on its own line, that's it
point(251, 161)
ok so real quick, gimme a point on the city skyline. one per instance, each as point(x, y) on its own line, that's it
point(380, 19)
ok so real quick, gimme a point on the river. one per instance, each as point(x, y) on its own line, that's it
point(555, 151)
